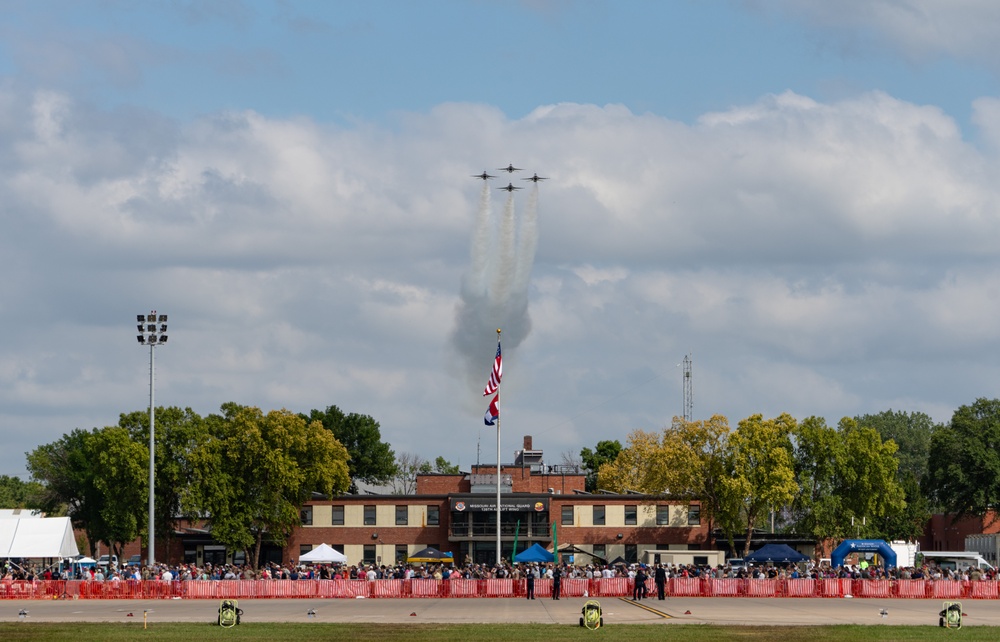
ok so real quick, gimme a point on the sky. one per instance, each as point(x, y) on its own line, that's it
point(800, 195)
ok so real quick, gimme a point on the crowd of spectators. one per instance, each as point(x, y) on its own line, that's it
point(293, 571)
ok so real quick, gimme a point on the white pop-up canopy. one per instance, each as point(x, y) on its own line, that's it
point(37, 537)
point(323, 554)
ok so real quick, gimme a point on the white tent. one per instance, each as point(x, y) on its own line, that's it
point(324, 554)
point(37, 537)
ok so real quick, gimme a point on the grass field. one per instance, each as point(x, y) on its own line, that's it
point(78, 632)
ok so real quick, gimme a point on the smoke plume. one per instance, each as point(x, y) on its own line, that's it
point(494, 291)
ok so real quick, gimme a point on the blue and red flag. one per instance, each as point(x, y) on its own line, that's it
point(493, 412)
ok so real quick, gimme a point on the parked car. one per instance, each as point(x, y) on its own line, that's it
point(135, 560)
point(108, 559)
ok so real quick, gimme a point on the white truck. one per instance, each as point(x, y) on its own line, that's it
point(956, 560)
point(905, 553)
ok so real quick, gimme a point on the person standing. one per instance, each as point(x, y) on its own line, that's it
point(660, 577)
point(640, 584)
point(556, 577)
point(531, 583)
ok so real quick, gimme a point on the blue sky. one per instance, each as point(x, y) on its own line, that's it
point(802, 197)
point(340, 61)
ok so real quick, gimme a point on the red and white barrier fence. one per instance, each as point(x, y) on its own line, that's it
point(428, 588)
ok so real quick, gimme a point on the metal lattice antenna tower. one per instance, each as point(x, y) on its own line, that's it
point(688, 392)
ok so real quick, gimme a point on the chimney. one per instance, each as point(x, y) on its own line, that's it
point(527, 442)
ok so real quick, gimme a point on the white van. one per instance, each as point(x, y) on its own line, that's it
point(956, 560)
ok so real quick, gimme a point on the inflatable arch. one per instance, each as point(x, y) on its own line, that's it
point(863, 546)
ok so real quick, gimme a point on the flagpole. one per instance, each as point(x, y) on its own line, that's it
point(498, 468)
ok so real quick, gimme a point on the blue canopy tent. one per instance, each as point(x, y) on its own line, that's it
point(534, 553)
point(776, 553)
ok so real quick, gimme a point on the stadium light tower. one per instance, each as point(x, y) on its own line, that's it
point(152, 332)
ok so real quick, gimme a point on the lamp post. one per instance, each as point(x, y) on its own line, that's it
point(152, 332)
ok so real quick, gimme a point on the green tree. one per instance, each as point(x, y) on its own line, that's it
point(912, 433)
point(761, 473)
point(605, 452)
point(178, 433)
point(67, 475)
point(870, 490)
point(637, 468)
point(817, 451)
point(122, 479)
point(709, 440)
point(445, 467)
point(96, 478)
point(15, 493)
point(371, 459)
point(251, 477)
point(847, 480)
point(964, 468)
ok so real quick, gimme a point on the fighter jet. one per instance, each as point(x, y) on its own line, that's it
point(535, 178)
point(510, 187)
point(510, 169)
point(483, 176)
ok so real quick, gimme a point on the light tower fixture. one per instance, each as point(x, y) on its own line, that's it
point(152, 329)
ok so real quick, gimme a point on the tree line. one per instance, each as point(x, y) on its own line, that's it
point(247, 473)
point(243, 471)
point(871, 476)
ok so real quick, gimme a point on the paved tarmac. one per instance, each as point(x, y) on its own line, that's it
point(735, 611)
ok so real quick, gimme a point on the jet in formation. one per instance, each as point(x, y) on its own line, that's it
point(483, 176)
point(510, 169)
point(535, 178)
point(510, 187)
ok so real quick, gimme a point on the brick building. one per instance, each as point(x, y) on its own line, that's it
point(946, 532)
point(539, 504)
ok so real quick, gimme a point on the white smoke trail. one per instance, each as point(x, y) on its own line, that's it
point(503, 276)
point(527, 243)
point(475, 280)
point(494, 292)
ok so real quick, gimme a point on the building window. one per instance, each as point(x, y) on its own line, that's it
point(663, 515)
point(631, 553)
point(307, 515)
point(304, 548)
point(338, 547)
point(567, 516)
point(368, 557)
point(631, 515)
point(401, 553)
point(338, 516)
point(694, 515)
point(402, 515)
point(599, 515)
point(433, 515)
point(369, 516)
point(601, 551)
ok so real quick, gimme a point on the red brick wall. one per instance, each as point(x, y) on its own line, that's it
point(522, 479)
point(437, 484)
point(943, 533)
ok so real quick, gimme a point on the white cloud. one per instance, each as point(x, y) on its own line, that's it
point(919, 28)
point(816, 258)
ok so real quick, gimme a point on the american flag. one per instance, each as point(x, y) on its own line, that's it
point(493, 412)
point(494, 381)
